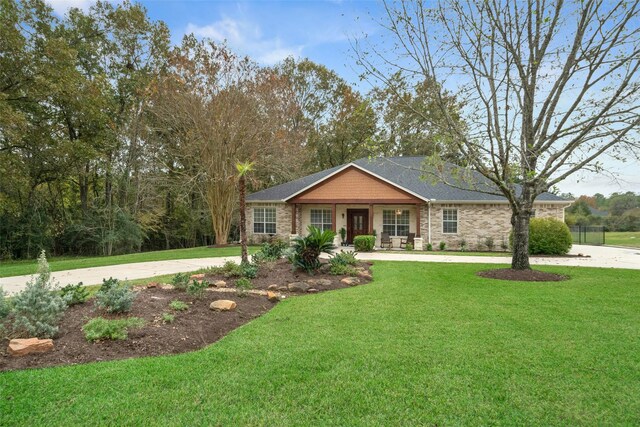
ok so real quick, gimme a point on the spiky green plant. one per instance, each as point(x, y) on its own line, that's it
point(306, 250)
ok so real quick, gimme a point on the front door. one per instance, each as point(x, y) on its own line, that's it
point(357, 223)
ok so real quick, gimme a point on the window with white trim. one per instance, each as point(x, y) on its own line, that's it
point(321, 218)
point(450, 221)
point(264, 220)
point(394, 223)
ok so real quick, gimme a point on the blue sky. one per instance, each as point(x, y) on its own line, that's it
point(322, 30)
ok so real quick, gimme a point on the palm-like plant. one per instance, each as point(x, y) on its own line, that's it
point(307, 250)
point(243, 170)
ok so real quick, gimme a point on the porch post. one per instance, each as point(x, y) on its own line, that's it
point(370, 219)
point(333, 217)
point(417, 220)
point(294, 214)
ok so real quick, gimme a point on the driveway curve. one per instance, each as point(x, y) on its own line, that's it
point(598, 256)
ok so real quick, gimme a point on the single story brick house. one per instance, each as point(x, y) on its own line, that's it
point(371, 196)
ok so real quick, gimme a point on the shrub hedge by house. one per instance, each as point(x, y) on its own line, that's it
point(364, 243)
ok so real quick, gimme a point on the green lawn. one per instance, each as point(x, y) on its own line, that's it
point(18, 268)
point(620, 238)
point(424, 344)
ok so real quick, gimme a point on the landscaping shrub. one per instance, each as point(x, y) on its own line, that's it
point(168, 317)
point(342, 270)
point(74, 294)
point(364, 243)
point(38, 309)
point(549, 236)
point(249, 270)
point(5, 308)
point(178, 305)
point(429, 247)
point(243, 283)
point(344, 258)
point(443, 246)
point(196, 288)
point(488, 242)
point(231, 269)
point(307, 250)
point(115, 297)
point(100, 328)
point(408, 247)
point(463, 245)
point(180, 281)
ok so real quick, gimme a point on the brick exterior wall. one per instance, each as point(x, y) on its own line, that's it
point(283, 222)
point(477, 222)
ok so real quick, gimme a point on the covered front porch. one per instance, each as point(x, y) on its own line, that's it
point(396, 219)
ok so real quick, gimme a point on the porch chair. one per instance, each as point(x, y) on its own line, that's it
point(385, 240)
point(408, 240)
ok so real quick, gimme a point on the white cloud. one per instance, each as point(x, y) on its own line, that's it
point(247, 38)
point(60, 7)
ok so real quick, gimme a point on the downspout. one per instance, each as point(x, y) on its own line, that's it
point(429, 219)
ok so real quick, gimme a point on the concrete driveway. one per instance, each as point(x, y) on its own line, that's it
point(607, 257)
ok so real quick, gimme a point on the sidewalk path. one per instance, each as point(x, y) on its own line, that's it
point(607, 257)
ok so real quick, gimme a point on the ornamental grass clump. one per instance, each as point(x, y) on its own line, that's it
point(115, 297)
point(38, 308)
point(100, 328)
point(306, 250)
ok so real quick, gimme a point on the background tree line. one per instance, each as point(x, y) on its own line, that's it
point(618, 212)
point(112, 140)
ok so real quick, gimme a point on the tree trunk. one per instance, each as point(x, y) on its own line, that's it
point(520, 223)
point(243, 223)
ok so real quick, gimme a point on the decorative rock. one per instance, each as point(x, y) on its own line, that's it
point(312, 290)
point(272, 296)
point(223, 305)
point(272, 287)
point(365, 275)
point(152, 285)
point(350, 281)
point(22, 347)
point(197, 276)
point(166, 286)
point(220, 284)
point(319, 282)
point(283, 288)
point(298, 287)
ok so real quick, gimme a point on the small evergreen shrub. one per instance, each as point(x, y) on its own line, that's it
point(269, 251)
point(429, 247)
point(549, 236)
point(231, 269)
point(342, 270)
point(74, 294)
point(168, 317)
point(408, 247)
point(38, 308)
point(504, 245)
point(343, 258)
point(488, 242)
point(364, 243)
point(178, 305)
point(463, 245)
point(249, 270)
point(196, 288)
point(100, 328)
point(243, 283)
point(306, 250)
point(115, 297)
point(180, 281)
point(443, 245)
point(5, 308)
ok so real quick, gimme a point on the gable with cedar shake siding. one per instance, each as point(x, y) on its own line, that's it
point(389, 194)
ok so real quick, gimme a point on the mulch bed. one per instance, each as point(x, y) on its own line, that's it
point(522, 275)
point(192, 329)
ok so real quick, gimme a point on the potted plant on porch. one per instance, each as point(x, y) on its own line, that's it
point(343, 236)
